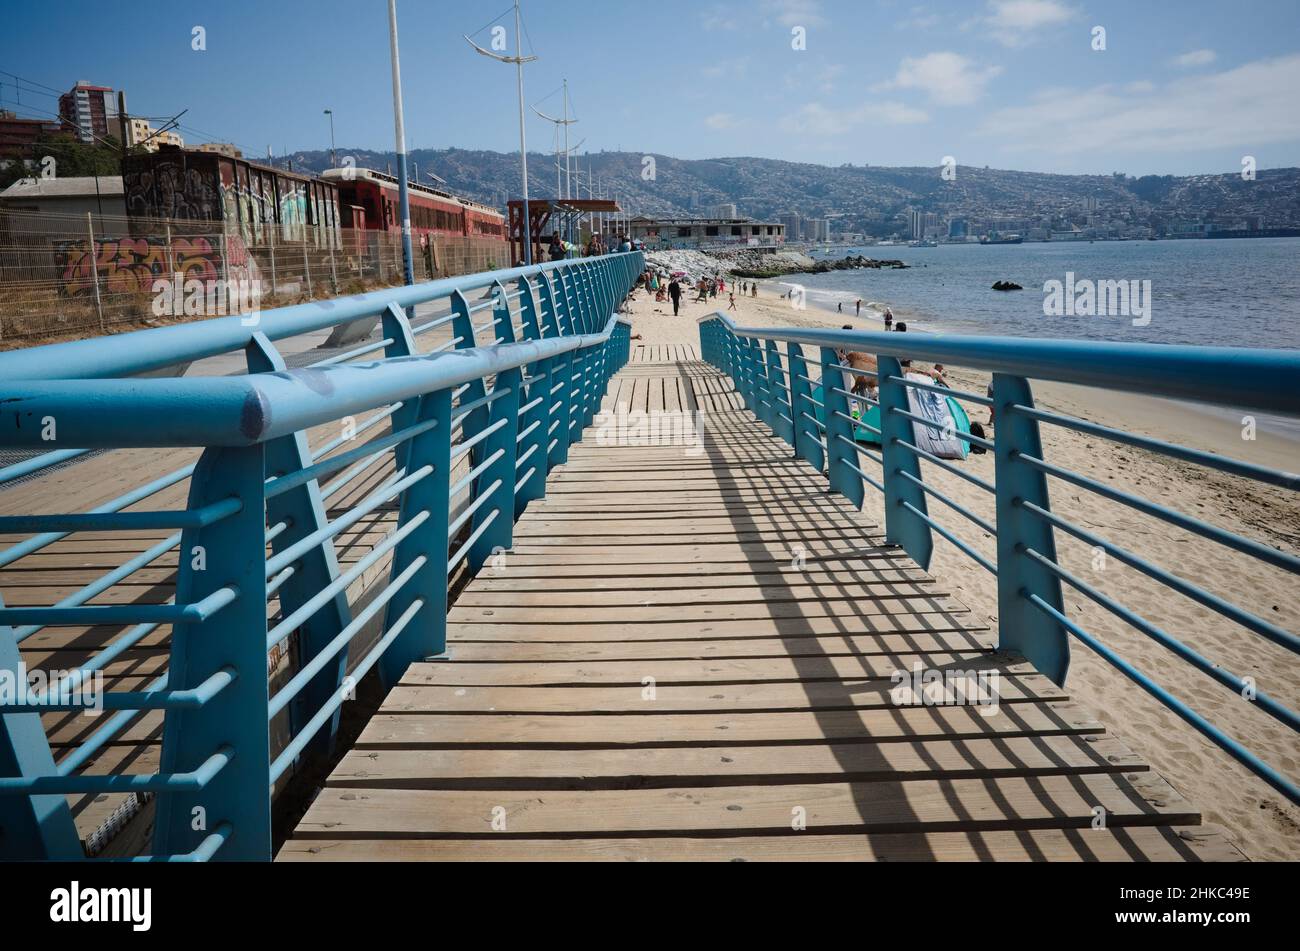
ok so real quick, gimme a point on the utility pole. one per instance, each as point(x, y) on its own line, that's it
point(330, 113)
point(399, 132)
point(526, 230)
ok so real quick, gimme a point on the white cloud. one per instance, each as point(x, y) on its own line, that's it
point(817, 119)
point(1241, 108)
point(918, 19)
point(1195, 58)
point(949, 79)
point(721, 121)
point(791, 13)
point(1018, 22)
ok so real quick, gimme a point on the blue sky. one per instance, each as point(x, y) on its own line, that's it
point(1183, 86)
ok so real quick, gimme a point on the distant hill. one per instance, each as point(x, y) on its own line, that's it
point(861, 198)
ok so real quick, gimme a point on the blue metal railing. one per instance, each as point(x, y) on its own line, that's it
point(452, 445)
point(1032, 618)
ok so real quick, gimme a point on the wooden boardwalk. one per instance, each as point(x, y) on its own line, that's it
point(688, 655)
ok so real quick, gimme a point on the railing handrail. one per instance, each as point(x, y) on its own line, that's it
point(244, 410)
point(1259, 379)
point(141, 351)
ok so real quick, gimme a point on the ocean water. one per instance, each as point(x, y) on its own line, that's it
point(1229, 292)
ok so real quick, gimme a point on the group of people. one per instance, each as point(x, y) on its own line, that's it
point(559, 249)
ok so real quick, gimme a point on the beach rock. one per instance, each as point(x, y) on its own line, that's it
point(1006, 286)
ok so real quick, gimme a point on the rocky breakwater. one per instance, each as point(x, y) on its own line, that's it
point(754, 264)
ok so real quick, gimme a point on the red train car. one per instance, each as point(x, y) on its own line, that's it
point(432, 211)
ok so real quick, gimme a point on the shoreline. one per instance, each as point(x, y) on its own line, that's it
point(1202, 426)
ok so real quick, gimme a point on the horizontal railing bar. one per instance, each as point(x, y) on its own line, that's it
point(194, 780)
point(1234, 683)
point(961, 545)
point(123, 521)
point(106, 581)
point(1241, 377)
point(115, 725)
point(287, 625)
point(943, 390)
point(37, 463)
point(863, 475)
point(284, 483)
point(945, 465)
point(319, 451)
point(860, 449)
point(363, 508)
point(856, 422)
point(1286, 480)
point(190, 699)
point(1246, 546)
point(968, 437)
point(461, 448)
point(352, 354)
point(455, 559)
point(281, 698)
point(160, 347)
point(93, 614)
point(955, 506)
point(474, 506)
point(1247, 620)
point(1198, 722)
point(464, 482)
point(37, 542)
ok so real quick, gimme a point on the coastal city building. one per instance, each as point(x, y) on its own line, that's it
point(140, 133)
point(90, 111)
point(67, 197)
point(19, 136)
point(705, 232)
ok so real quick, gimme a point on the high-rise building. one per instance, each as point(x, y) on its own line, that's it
point(140, 132)
point(89, 111)
point(916, 223)
point(957, 228)
point(792, 222)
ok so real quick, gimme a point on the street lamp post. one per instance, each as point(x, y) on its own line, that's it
point(330, 113)
point(526, 230)
point(399, 131)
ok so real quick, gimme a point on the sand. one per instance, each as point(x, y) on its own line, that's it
point(1259, 820)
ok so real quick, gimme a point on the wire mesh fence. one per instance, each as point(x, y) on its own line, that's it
point(66, 275)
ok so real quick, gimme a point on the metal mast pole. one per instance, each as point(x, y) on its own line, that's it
point(399, 131)
point(523, 145)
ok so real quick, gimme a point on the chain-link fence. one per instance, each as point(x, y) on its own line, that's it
point(68, 275)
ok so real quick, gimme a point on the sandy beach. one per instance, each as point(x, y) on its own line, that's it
point(1258, 819)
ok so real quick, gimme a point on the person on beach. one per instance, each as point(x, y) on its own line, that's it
point(675, 292)
point(857, 308)
point(731, 301)
point(889, 318)
point(753, 290)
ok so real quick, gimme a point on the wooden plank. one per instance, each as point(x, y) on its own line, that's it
point(842, 609)
point(708, 766)
point(674, 698)
point(791, 627)
point(536, 650)
point(1145, 844)
point(1050, 802)
point(710, 670)
point(689, 596)
point(909, 724)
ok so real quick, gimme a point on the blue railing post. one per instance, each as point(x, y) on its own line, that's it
point(228, 553)
point(31, 827)
point(304, 511)
point(534, 422)
point(427, 501)
point(842, 479)
point(496, 516)
point(1021, 626)
point(903, 497)
point(782, 424)
point(558, 370)
point(807, 440)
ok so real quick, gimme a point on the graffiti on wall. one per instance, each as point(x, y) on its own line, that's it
point(171, 188)
point(131, 265)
